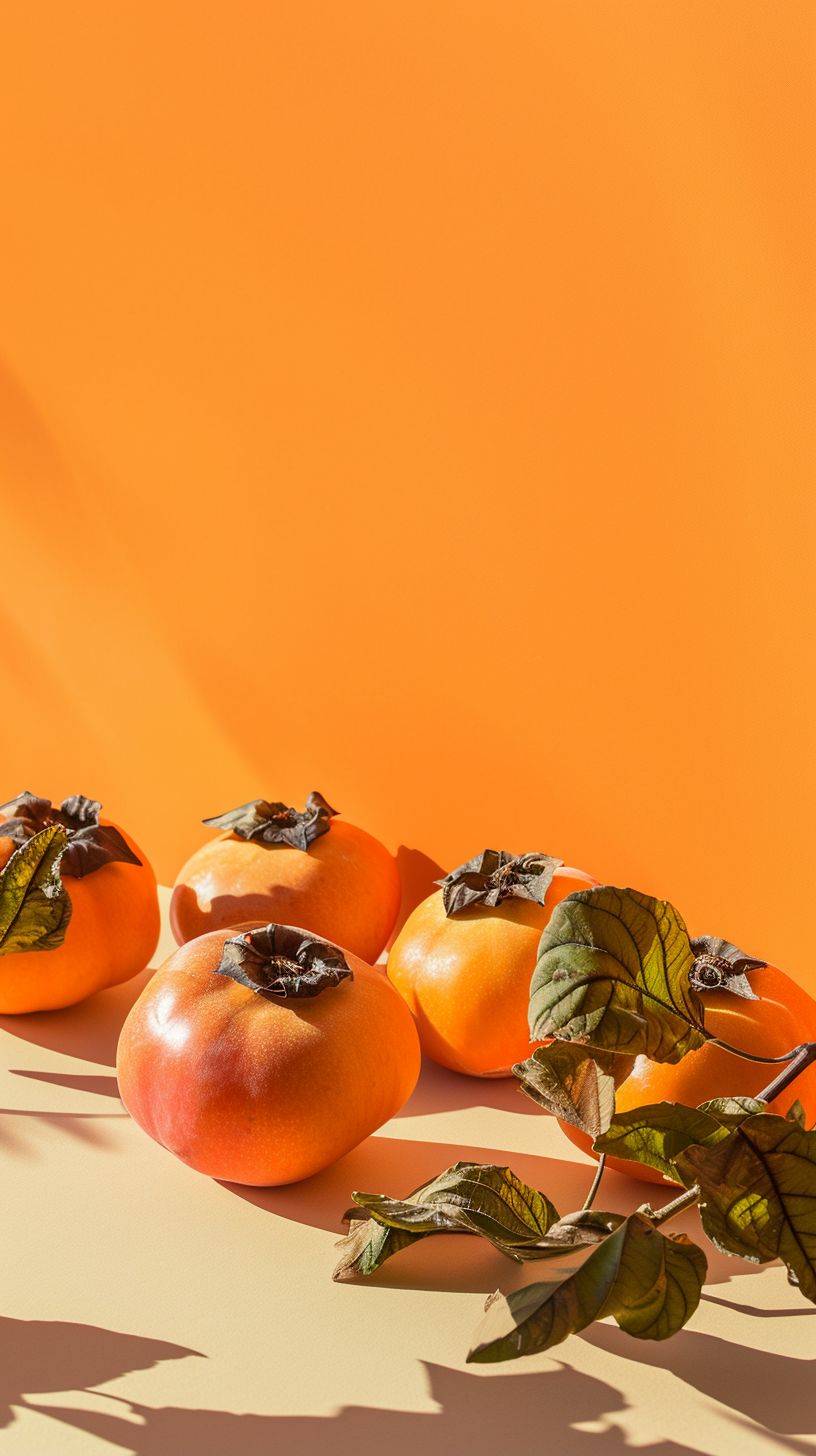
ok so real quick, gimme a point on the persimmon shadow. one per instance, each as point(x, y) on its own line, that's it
point(440, 1090)
point(89, 1030)
point(103, 1086)
point(775, 1391)
point(39, 1357)
point(418, 875)
point(479, 1414)
point(445, 1261)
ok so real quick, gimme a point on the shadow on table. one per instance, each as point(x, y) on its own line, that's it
point(776, 1391)
point(439, 1090)
point(479, 1414)
point(87, 1127)
point(89, 1030)
point(455, 1262)
point(51, 1356)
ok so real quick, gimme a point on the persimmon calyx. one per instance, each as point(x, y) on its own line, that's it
point(282, 963)
point(273, 822)
point(89, 845)
point(494, 876)
point(721, 966)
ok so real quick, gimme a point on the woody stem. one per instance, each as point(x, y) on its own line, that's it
point(596, 1183)
point(670, 1210)
point(801, 1057)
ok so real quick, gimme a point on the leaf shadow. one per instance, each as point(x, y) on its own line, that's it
point(479, 1414)
point(103, 1086)
point(40, 1357)
point(83, 1126)
point(769, 1389)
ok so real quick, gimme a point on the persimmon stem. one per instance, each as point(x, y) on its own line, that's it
point(670, 1210)
point(801, 1057)
point(596, 1183)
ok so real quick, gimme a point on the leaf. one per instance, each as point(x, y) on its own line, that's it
point(34, 905)
point(655, 1133)
point(89, 846)
point(758, 1194)
point(731, 1111)
point(574, 1083)
point(613, 972)
point(283, 963)
point(494, 876)
point(796, 1113)
point(472, 1198)
point(650, 1282)
point(721, 966)
point(270, 822)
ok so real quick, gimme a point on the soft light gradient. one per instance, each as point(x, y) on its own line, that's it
point(414, 402)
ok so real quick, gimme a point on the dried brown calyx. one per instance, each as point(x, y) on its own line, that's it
point(282, 963)
point(276, 823)
point(89, 845)
point(721, 966)
point(494, 876)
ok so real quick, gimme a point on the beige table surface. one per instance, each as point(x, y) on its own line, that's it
point(149, 1310)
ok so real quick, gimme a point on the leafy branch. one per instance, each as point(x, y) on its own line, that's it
point(617, 976)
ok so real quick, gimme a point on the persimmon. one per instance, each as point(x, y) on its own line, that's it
point(781, 1017)
point(78, 904)
point(307, 868)
point(465, 956)
point(261, 1054)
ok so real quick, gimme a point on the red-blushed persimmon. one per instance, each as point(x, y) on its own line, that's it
point(782, 1017)
point(464, 958)
point(306, 868)
point(262, 1054)
point(110, 927)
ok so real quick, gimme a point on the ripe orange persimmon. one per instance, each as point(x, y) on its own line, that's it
point(110, 922)
point(782, 1017)
point(306, 868)
point(465, 957)
point(262, 1054)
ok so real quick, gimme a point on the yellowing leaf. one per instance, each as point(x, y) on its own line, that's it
point(34, 904)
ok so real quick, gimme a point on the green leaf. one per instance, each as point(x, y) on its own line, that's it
point(472, 1198)
point(613, 972)
point(655, 1133)
point(34, 905)
point(731, 1111)
point(575, 1083)
point(650, 1282)
point(758, 1194)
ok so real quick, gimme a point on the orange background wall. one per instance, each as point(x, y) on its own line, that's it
point(413, 401)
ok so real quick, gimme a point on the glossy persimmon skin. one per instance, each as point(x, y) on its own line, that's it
point(466, 977)
point(263, 1091)
point(782, 1018)
point(111, 936)
point(344, 887)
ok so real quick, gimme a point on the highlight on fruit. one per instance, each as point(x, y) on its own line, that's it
point(79, 908)
point(306, 867)
point(261, 1054)
point(464, 957)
